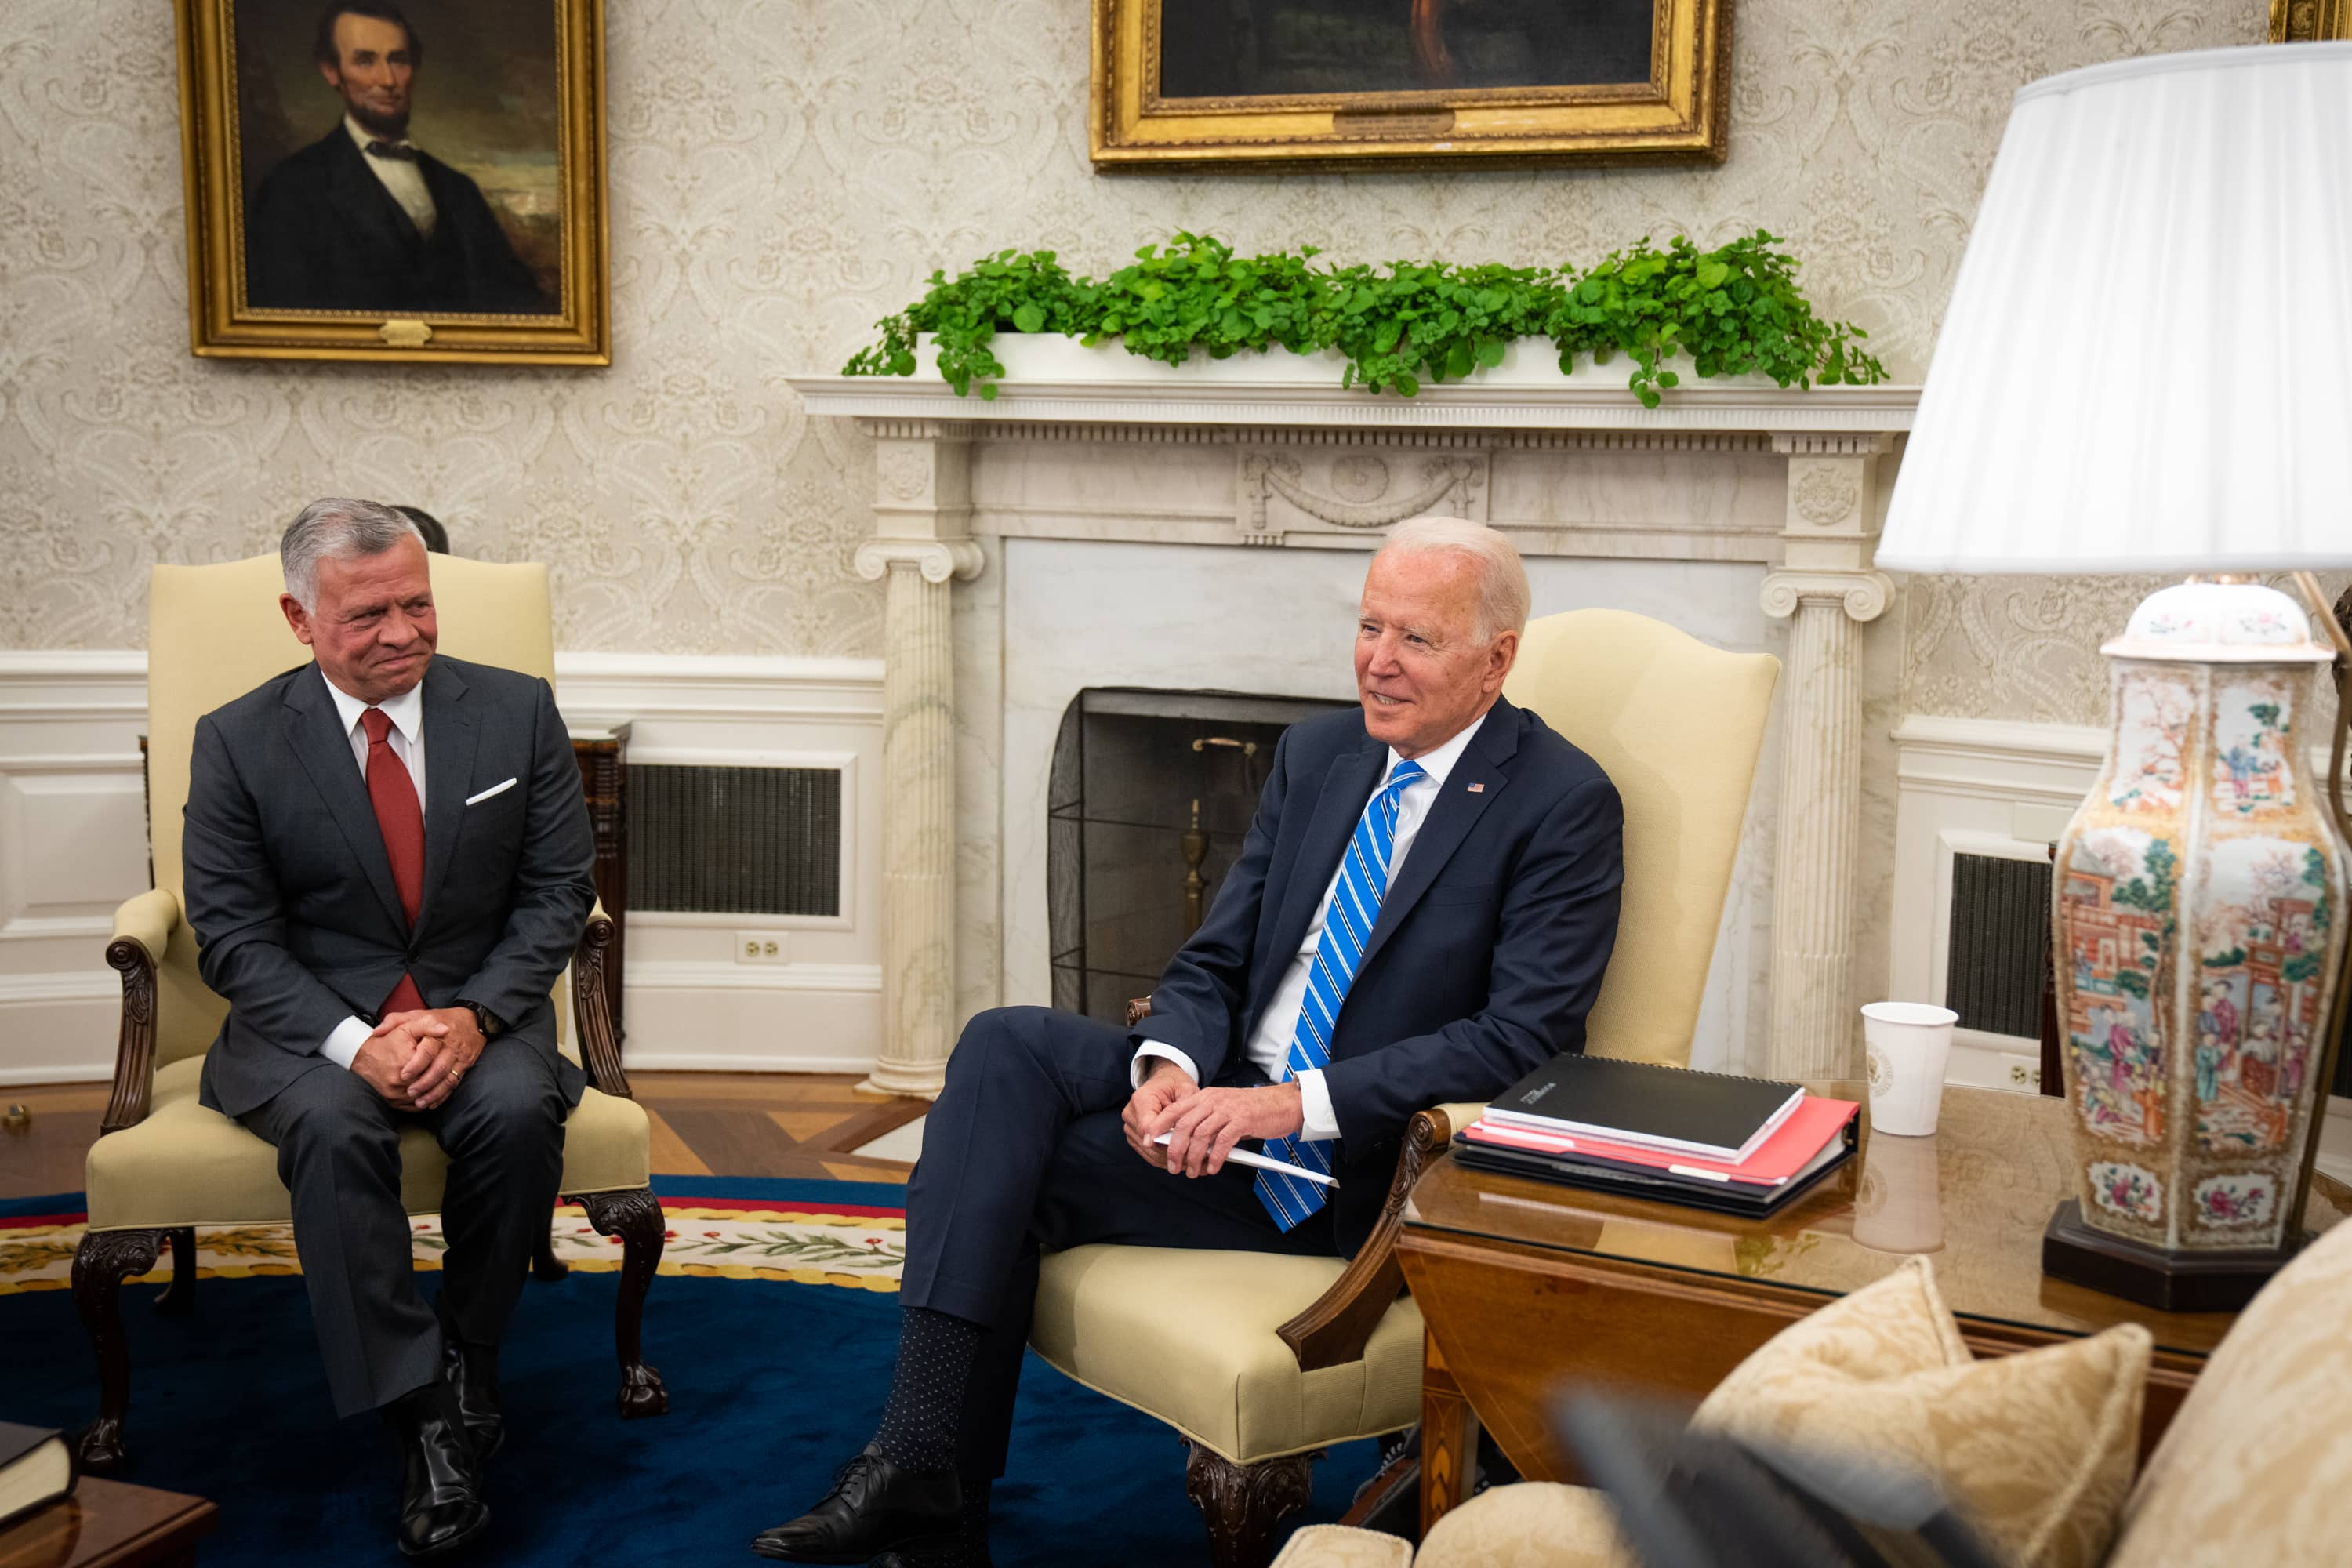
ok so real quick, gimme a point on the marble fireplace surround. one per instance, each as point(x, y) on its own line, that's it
point(1113, 522)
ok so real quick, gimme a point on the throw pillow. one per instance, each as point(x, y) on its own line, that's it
point(2036, 1449)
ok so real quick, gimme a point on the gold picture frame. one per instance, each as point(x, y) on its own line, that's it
point(482, 241)
point(2310, 21)
point(1314, 115)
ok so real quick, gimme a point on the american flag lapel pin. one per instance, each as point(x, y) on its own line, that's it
point(1477, 789)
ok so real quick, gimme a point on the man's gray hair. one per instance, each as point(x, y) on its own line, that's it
point(1503, 595)
point(339, 528)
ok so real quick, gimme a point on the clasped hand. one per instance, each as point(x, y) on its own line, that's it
point(415, 1060)
point(1204, 1124)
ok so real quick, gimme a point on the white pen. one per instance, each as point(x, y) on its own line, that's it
point(1268, 1162)
point(1695, 1171)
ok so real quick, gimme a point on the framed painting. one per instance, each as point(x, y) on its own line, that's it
point(418, 180)
point(2310, 21)
point(1272, 84)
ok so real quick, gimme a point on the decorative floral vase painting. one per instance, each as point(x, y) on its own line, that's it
point(2200, 910)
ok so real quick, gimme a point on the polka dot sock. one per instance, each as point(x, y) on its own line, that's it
point(926, 1386)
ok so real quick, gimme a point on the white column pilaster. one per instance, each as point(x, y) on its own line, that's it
point(1827, 584)
point(922, 542)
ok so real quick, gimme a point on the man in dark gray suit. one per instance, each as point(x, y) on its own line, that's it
point(387, 866)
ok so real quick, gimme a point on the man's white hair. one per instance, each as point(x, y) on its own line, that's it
point(1503, 593)
point(339, 528)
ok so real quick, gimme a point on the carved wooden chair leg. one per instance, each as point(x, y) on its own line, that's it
point(1241, 1504)
point(544, 1264)
point(103, 1261)
point(635, 1217)
point(179, 1298)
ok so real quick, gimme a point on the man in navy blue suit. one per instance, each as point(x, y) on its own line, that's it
point(1421, 913)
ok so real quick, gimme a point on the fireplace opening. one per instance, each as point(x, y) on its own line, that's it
point(1150, 795)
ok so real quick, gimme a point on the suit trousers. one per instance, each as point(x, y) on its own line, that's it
point(1024, 1151)
point(339, 1154)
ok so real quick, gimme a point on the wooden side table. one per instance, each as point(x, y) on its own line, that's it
point(110, 1525)
point(604, 759)
point(1527, 1287)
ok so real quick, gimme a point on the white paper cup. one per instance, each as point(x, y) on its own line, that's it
point(1906, 1043)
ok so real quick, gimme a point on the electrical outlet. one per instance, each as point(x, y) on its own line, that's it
point(2025, 1075)
point(761, 947)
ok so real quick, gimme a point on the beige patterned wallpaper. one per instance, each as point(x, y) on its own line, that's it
point(783, 173)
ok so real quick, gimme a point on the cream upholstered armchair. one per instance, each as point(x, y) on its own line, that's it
point(1261, 1362)
point(163, 1163)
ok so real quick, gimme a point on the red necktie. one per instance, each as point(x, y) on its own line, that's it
point(402, 822)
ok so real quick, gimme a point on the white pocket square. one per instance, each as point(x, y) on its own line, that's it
point(494, 789)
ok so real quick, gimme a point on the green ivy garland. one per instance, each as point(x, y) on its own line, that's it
point(1734, 310)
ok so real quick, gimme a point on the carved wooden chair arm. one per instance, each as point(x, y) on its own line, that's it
point(1336, 1327)
point(143, 934)
point(592, 1017)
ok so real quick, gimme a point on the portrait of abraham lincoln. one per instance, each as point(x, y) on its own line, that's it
point(399, 157)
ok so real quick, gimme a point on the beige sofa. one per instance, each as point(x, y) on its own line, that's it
point(2255, 1469)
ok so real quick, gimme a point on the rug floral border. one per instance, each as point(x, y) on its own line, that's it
point(781, 1244)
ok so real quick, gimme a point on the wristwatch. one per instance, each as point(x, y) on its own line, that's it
point(489, 1023)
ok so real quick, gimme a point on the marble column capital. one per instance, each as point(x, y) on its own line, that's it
point(1865, 594)
point(937, 559)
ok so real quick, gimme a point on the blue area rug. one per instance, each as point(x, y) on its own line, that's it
point(771, 1385)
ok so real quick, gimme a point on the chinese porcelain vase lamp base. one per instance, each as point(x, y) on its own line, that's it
point(2200, 892)
point(2198, 931)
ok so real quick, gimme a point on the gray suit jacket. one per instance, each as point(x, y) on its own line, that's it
point(290, 894)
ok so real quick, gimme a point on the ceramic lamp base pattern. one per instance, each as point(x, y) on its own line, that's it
point(2198, 909)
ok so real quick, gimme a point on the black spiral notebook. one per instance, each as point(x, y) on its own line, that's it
point(1715, 1116)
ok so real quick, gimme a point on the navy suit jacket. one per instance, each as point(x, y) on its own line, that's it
point(290, 891)
point(322, 234)
point(1487, 954)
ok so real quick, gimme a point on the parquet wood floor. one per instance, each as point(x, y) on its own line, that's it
point(703, 1123)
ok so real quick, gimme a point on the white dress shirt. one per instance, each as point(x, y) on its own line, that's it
point(406, 740)
point(1269, 1044)
point(401, 177)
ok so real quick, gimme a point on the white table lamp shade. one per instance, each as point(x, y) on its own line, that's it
point(2146, 361)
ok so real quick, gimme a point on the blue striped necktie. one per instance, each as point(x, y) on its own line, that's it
point(1347, 927)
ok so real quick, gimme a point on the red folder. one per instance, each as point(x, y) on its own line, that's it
point(1792, 1146)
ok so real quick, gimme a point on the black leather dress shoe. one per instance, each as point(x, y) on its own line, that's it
point(873, 1505)
point(473, 1371)
point(440, 1489)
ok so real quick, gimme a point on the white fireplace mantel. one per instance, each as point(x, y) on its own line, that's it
point(1093, 446)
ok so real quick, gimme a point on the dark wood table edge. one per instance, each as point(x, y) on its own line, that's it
point(167, 1541)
